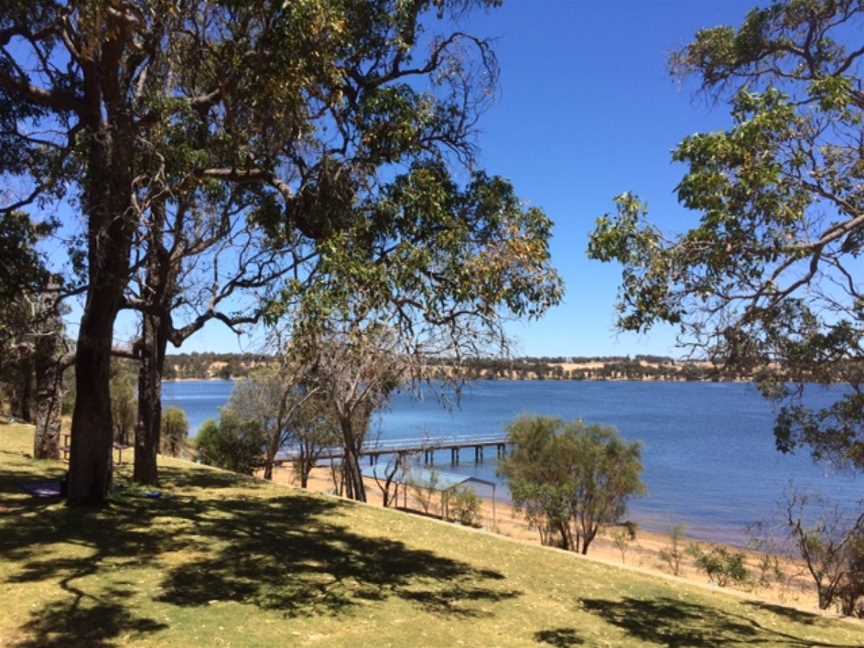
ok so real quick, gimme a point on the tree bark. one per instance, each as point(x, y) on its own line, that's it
point(90, 468)
point(153, 344)
point(111, 225)
point(272, 450)
point(49, 397)
point(355, 488)
point(22, 390)
point(268, 464)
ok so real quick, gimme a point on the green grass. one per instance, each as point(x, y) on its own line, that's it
point(226, 561)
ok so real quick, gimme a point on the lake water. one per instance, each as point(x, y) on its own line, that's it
point(708, 448)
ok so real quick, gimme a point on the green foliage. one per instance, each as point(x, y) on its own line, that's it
point(722, 565)
point(672, 556)
point(767, 276)
point(851, 591)
point(22, 269)
point(174, 431)
point(124, 402)
point(622, 537)
point(831, 546)
point(463, 505)
point(275, 128)
point(571, 479)
point(231, 443)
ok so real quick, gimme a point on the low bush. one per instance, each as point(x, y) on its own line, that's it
point(464, 506)
point(723, 567)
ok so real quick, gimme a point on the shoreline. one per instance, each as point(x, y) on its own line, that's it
point(477, 379)
point(643, 553)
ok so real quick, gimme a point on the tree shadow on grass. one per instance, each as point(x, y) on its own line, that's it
point(797, 616)
point(286, 553)
point(559, 638)
point(201, 477)
point(674, 623)
point(282, 554)
point(90, 625)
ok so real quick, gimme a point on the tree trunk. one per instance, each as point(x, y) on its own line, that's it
point(49, 398)
point(353, 476)
point(22, 390)
point(153, 344)
point(354, 487)
point(111, 223)
point(90, 468)
point(272, 451)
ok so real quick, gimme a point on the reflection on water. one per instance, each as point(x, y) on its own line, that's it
point(710, 460)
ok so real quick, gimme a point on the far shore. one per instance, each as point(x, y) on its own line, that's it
point(642, 554)
point(521, 379)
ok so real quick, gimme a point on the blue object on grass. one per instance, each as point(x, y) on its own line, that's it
point(43, 489)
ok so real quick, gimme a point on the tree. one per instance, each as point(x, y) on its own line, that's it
point(428, 270)
point(175, 428)
point(33, 358)
point(123, 403)
point(200, 253)
point(357, 368)
point(316, 429)
point(387, 478)
point(571, 479)
point(33, 345)
point(765, 283)
point(231, 443)
point(299, 106)
point(272, 398)
point(830, 546)
point(22, 268)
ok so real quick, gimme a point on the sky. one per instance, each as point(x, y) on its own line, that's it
point(585, 111)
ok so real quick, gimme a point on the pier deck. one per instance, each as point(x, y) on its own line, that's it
point(415, 446)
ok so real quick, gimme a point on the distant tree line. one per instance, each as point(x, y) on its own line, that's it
point(211, 365)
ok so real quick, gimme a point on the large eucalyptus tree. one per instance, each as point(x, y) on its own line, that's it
point(768, 277)
point(289, 116)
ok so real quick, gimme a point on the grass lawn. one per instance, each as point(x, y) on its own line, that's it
point(221, 560)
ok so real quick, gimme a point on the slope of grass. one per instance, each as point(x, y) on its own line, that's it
point(220, 560)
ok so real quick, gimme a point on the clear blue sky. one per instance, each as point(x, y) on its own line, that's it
point(586, 110)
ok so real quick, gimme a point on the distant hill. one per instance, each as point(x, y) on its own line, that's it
point(208, 366)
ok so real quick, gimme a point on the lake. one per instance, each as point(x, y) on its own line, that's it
point(708, 448)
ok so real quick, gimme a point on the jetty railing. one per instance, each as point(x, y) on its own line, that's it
point(428, 446)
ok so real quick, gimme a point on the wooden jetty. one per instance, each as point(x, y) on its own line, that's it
point(428, 447)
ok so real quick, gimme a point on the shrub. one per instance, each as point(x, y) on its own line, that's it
point(175, 429)
point(622, 538)
point(464, 506)
point(720, 564)
point(231, 443)
point(424, 490)
point(674, 554)
point(571, 479)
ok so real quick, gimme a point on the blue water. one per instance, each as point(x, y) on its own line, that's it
point(708, 448)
